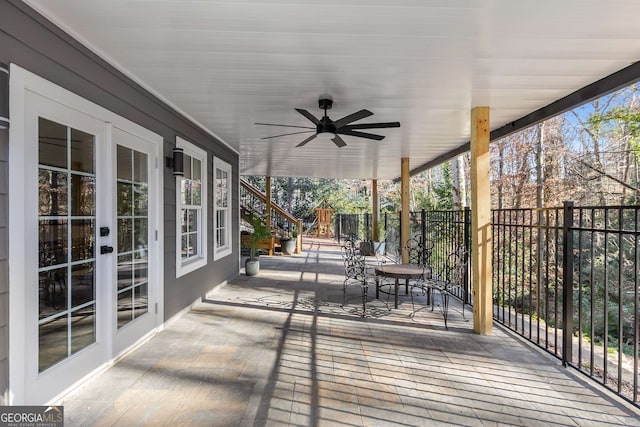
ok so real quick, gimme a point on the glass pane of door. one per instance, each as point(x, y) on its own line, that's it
point(132, 195)
point(66, 230)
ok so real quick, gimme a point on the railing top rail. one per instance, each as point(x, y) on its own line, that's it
point(553, 208)
point(442, 210)
point(609, 207)
point(253, 190)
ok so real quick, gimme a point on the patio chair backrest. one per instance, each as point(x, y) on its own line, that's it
point(457, 263)
point(354, 261)
point(420, 250)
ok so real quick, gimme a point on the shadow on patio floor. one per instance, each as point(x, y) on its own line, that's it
point(279, 349)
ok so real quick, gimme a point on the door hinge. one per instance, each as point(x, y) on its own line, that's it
point(156, 308)
point(156, 235)
point(156, 163)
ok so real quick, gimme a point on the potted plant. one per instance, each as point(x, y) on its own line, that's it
point(379, 245)
point(294, 233)
point(259, 233)
point(288, 244)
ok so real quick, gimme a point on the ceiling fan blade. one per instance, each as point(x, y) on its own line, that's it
point(352, 118)
point(339, 141)
point(286, 134)
point(345, 131)
point(284, 126)
point(307, 140)
point(374, 125)
point(308, 115)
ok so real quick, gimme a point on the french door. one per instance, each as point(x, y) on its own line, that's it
point(135, 191)
point(91, 253)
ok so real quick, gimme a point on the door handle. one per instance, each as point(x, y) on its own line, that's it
point(106, 249)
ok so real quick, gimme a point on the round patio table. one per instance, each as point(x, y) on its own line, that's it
point(397, 272)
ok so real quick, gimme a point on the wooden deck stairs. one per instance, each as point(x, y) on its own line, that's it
point(254, 201)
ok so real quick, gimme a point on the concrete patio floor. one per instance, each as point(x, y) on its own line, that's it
point(279, 349)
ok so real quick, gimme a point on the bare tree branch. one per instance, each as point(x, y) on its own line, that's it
point(603, 173)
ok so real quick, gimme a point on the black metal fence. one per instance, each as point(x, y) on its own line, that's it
point(447, 230)
point(347, 226)
point(355, 226)
point(568, 279)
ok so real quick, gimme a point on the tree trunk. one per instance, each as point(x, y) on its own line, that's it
point(540, 167)
point(522, 175)
point(457, 179)
point(540, 241)
point(290, 195)
point(500, 172)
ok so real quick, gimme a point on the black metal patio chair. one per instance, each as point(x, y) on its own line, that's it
point(357, 272)
point(449, 282)
point(420, 251)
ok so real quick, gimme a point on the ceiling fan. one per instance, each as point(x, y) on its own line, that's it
point(329, 129)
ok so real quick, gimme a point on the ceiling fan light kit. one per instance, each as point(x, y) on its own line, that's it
point(327, 129)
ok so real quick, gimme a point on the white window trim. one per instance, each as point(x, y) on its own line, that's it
point(187, 266)
point(219, 253)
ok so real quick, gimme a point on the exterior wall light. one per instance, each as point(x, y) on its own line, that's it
point(178, 162)
point(4, 96)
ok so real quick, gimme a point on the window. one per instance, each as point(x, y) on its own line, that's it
point(222, 208)
point(191, 210)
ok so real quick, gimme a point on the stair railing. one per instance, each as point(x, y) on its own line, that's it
point(255, 201)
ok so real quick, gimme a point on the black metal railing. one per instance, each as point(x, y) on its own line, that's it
point(251, 203)
point(567, 278)
point(356, 226)
point(446, 230)
point(527, 273)
point(449, 231)
point(392, 227)
point(347, 226)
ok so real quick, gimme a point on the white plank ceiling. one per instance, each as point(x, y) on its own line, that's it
point(425, 63)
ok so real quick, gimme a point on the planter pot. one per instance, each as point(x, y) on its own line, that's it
point(379, 247)
point(251, 266)
point(288, 246)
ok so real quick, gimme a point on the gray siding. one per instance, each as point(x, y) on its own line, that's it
point(4, 265)
point(30, 41)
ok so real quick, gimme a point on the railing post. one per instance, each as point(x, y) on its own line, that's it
point(367, 227)
point(267, 214)
point(467, 245)
point(299, 238)
point(385, 226)
point(567, 283)
point(423, 232)
point(337, 227)
point(400, 234)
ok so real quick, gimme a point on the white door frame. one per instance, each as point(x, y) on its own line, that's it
point(21, 161)
point(129, 334)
